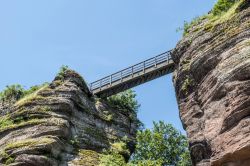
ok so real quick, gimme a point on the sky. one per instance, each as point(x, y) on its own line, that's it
point(96, 38)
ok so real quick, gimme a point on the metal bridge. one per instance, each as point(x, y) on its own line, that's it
point(132, 76)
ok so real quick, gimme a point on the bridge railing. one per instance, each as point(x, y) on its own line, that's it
point(130, 71)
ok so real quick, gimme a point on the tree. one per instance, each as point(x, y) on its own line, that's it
point(125, 101)
point(163, 145)
point(12, 92)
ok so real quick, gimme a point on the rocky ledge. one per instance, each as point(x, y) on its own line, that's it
point(62, 124)
point(212, 82)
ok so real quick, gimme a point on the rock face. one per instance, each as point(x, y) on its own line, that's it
point(62, 124)
point(212, 82)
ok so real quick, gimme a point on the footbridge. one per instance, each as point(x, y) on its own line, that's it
point(135, 75)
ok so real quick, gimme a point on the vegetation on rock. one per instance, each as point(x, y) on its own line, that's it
point(222, 6)
point(16, 92)
point(163, 145)
point(118, 149)
point(222, 11)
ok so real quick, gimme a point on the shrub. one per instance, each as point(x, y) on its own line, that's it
point(62, 71)
point(222, 6)
point(112, 159)
point(17, 92)
point(124, 101)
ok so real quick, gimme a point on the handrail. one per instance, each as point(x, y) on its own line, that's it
point(130, 71)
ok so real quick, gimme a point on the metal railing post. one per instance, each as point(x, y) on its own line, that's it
point(132, 71)
point(155, 62)
point(121, 76)
point(110, 83)
point(100, 84)
point(143, 66)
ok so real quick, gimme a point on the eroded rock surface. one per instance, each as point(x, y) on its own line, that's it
point(212, 82)
point(62, 124)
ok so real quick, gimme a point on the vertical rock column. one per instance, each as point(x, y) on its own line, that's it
point(212, 83)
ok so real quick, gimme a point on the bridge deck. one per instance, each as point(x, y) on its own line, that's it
point(130, 77)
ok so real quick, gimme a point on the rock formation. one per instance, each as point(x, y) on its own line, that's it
point(212, 82)
point(62, 124)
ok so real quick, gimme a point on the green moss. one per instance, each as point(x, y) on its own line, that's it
point(5, 121)
point(31, 97)
point(186, 64)
point(87, 158)
point(75, 141)
point(248, 43)
point(6, 159)
point(22, 124)
point(113, 159)
point(58, 82)
point(29, 143)
point(120, 148)
point(186, 84)
point(107, 116)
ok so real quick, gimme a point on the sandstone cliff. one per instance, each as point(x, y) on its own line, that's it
point(212, 82)
point(62, 124)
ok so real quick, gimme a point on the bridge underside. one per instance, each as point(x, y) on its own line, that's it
point(135, 79)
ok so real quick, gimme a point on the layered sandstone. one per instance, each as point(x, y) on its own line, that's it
point(62, 124)
point(212, 82)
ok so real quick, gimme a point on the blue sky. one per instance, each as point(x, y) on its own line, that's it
point(95, 38)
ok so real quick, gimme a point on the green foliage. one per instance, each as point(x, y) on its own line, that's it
point(9, 160)
point(115, 155)
point(186, 84)
point(119, 148)
point(62, 71)
point(221, 11)
point(193, 23)
point(35, 88)
point(150, 163)
point(75, 141)
point(164, 145)
point(124, 101)
point(87, 158)
point(5, 121)
point(29, 143)
point(112, 160)
point(222, 6)
point(17, 92)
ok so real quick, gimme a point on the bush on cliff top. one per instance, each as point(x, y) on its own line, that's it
point(219, 9)
point(17, 92)
point(222, 6)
